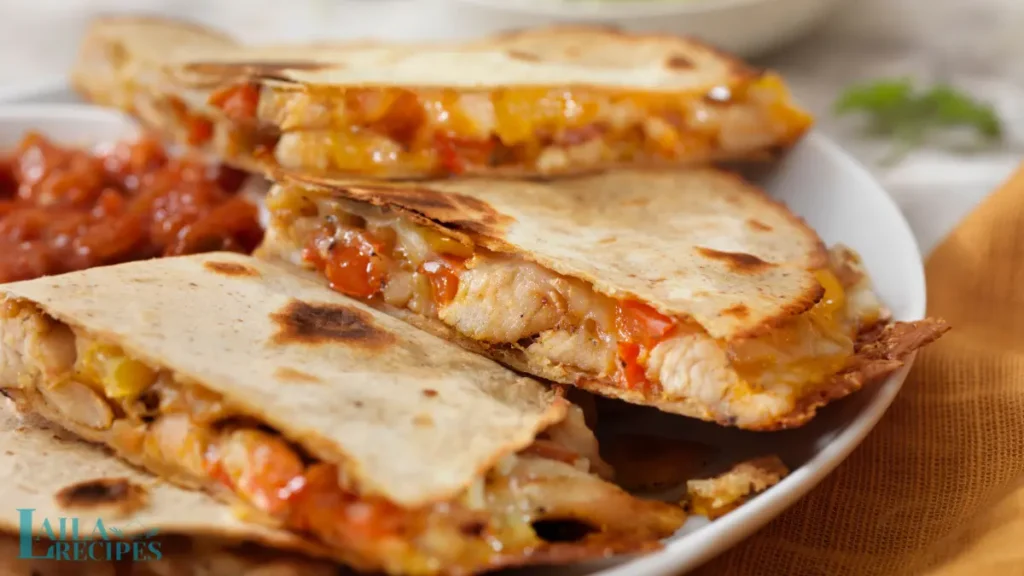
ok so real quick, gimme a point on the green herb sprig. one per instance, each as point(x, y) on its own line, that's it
point(894, 109)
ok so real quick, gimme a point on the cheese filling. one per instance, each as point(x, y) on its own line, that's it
point(195, 437)
point(439, 131)
point(558, 322)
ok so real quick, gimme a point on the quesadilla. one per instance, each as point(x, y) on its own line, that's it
point(690, 291)
point(398, 451)
point(90, 514)
point(535, 103)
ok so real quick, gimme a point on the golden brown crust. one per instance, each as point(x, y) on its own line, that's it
point(881, 350)
point(717, 496)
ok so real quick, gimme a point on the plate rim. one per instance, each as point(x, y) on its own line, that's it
point(690, 552)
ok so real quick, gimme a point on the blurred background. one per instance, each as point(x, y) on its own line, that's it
point(975, 46)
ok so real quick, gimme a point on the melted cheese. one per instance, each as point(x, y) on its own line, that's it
point(804, 351)
point(380, 128)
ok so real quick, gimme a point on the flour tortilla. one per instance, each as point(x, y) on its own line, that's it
point(599, 58)
point(412, 418)
point(696, 243)
point(566, 55)
point(150, 67)
point(48, 470)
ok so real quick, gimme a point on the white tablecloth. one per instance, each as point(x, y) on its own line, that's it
point(975, 44)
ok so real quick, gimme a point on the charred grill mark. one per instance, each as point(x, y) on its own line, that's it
point(320, 323)
point(678, 62)
point(102, 492)
point(737, 261)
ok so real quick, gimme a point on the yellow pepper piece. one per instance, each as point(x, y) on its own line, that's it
point(126, 378)
point(107, 368)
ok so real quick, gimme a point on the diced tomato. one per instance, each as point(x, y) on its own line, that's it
point(258, 466)
point(443, 279)
point(356, 264)
point(457, 153)
point(200, 131)
point(640, 328)
point(222, 228)
point(109, 203)
point(239, 102)
point(631, 373)
point(322, 507)
point(312, 254)
point(350, 272)
point(641, 324)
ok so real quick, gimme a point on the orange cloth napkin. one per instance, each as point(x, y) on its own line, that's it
point(938, 488)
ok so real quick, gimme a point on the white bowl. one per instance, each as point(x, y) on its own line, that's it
point(836, 196)
point(746, 28)
point(71, 124)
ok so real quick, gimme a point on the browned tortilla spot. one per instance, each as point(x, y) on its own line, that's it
point(758, 225)
point(423, 420)
point(119, 493)
point(305, 323)
point(678, 62)
point(524, 56)
point(231, 268)
point(288, 374)
point(429, 393)
point(739, 311)
point(738, 261)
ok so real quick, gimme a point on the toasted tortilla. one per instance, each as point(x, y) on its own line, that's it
point(552, 101)
point(693, 243)
point(541, 276)
point(46, 470)
point(398, 451)
point(334, 375)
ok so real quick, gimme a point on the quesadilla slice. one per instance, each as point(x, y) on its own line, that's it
point(86, 513)
point(543, 102)
point(690, 291)
point(310, 411)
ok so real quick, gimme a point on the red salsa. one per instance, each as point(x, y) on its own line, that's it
point(65, 209)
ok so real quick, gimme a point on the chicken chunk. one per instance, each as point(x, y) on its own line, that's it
point(504, 301)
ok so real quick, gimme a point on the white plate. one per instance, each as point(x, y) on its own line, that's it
point(843, 202)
